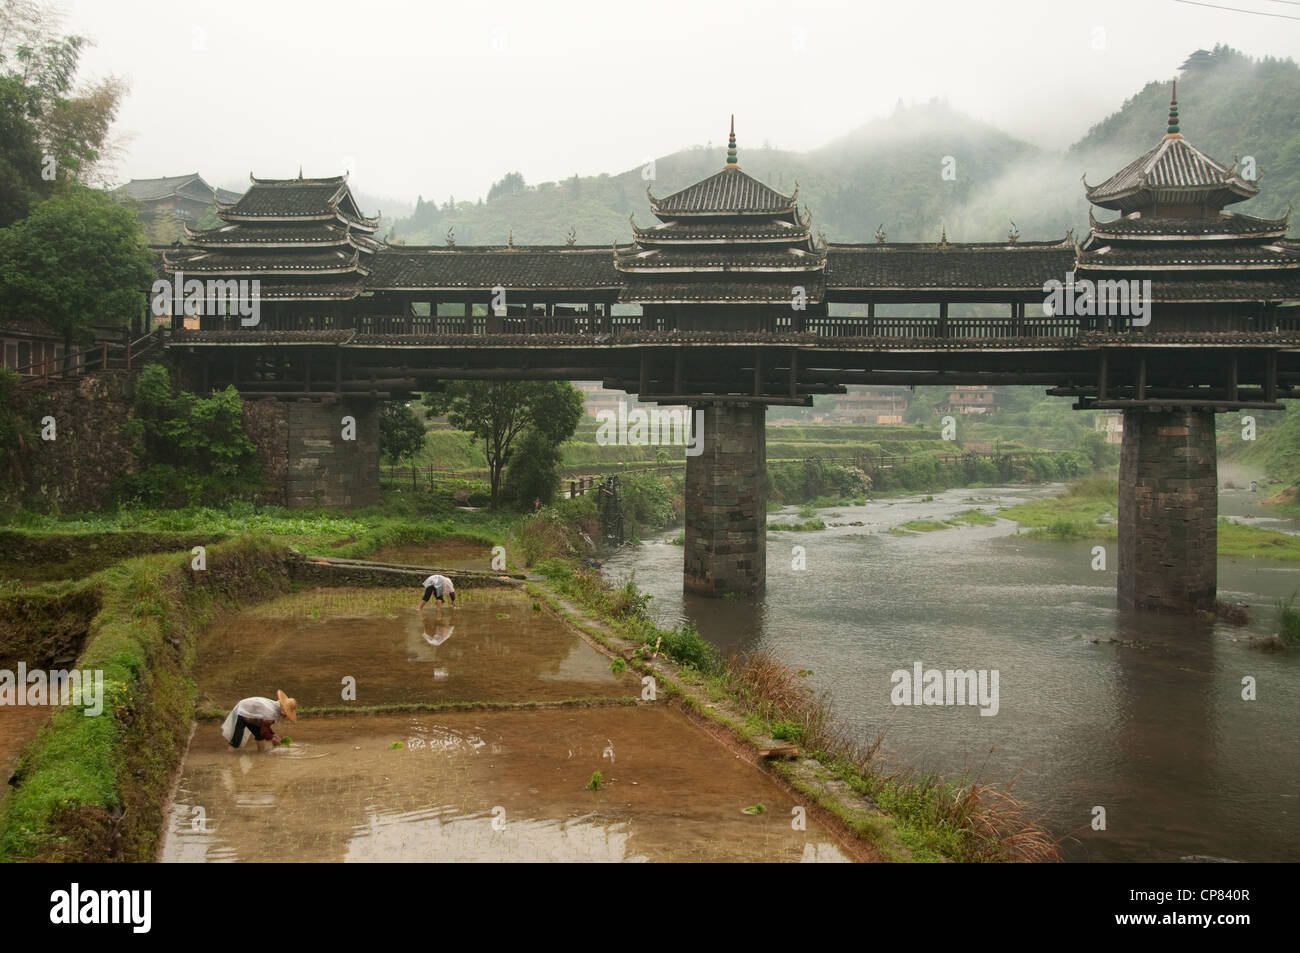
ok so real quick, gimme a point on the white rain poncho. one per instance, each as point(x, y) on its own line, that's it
point(251, 709)
point(442, 586)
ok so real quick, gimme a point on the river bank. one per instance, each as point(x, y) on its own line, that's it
point(1143, 714)
point(91, 788)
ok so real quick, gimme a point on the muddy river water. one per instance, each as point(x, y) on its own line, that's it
point(1140, 715)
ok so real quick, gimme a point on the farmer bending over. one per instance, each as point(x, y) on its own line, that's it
point(438, 586)
point(257, 716)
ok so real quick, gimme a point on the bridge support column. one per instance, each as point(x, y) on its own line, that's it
point(1168, 511)
point(726, 511)
point(333, 452)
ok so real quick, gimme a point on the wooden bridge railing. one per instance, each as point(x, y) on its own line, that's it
point(105, 355)
point(928, 328)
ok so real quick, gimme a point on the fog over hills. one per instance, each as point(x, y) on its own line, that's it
point(921, 172)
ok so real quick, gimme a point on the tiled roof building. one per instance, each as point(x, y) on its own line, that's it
point(304, 240)
point(730, 253)
point(186, 197)
point(1209, 268)
point(726, 240)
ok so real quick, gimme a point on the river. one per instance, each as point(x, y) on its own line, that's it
point(1143, 716)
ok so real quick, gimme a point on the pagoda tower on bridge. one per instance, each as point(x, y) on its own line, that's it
point(1210, 269)
point(304, 240)
point(1213, 274)
point(729, 254)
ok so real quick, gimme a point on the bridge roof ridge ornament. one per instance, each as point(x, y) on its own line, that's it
point(1173, 174)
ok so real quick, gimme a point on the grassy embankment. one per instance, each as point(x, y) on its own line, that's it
point(1087, 510)
point(93, 788)
point(806, 464)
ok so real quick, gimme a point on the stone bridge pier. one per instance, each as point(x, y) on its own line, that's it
point(319, 451)
point(726, 500)
point(1168, 511)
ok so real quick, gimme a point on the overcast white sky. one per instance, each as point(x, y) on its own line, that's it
point(444, 97)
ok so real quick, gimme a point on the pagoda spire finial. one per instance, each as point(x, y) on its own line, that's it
point(732, 162)
point(1173, 114)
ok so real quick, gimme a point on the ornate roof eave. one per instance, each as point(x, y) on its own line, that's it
point(715, 213)
point(797, 238)
point(1270, 229)
point(195, 264)
point(630, 296)
point(1117, 200)
point(196, 268)
point(197, 238)
point(1094, 261)
point(328, 180)
point(992, 247)
point(651, 269)
point(226, 214)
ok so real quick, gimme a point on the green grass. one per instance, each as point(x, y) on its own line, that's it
point(1078, 513)
point(964, 518)
point(81, 772)
point(1288, 620)
point(807, 526)
point(920, 526)
point(596, 782)
point(401, 518)
point(1254, 542)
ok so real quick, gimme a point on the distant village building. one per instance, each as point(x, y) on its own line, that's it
point(1199, 60)
point(1111, 424)
point(595, 398)
point(970, 399)
point(874, 406)
point(26, 345)
point(185, 198)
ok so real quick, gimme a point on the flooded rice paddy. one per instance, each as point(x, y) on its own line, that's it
point(457, 785)
point(494, 646)
point(484, 786)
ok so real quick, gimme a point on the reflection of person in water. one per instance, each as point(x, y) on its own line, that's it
point(257, 718)
point(438, 586)
point(441, 634)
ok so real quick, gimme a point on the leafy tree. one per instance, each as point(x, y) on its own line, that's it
point(510, 183)
point(401, 433)
point(1283, 460)
point(53, 136)
point(78, 262)
point(15, 430)
point(21, 184)
point(534, 472)
point(920, 408)
point(499, 412)
point(191, 449)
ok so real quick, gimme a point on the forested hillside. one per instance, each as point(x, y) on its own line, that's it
point(890, 172)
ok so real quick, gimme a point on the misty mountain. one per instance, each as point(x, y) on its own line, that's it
point(920, 172)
